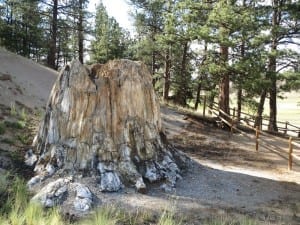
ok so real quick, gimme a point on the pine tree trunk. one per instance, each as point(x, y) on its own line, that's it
point(53, 37)
point(240, 90)
point(239, 103)
point(224, 84)
point(197, 100)
point(80, 32)
point(181, 93)
point(167, 75)
point(260, 109)
point(272, 75)
point(273, 95)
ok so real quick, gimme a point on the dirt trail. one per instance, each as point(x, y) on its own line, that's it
point(226, 176)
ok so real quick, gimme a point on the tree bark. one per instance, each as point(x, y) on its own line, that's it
point(260, 109)
point(239, 103)
point(181, 95)
point(272, 74)
point(53, 37)
point(197, 101)
point(224, 83)
point(167, 75)
point(80, 32)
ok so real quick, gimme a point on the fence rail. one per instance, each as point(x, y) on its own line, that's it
point(285, 128)
point(232, 122)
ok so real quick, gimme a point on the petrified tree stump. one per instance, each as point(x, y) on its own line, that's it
point(105, 123)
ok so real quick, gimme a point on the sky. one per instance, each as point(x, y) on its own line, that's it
point(118, 9)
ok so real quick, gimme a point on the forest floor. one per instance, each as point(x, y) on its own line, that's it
point(226, 178)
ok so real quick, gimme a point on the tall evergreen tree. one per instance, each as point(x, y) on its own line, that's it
point(111, 40)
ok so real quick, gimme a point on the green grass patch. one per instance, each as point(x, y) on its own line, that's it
point(23, 138)
point(2, 128)
point(15, 124)
point(227, 220)
point(167, 218)
point(8, 141)
point(103, 216)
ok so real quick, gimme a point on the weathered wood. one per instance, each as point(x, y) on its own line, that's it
point(256, 138)
point(204, 105)
point(290, 162)
point(106, 123)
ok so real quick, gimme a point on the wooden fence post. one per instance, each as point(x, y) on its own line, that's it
point(232, 121)
point(204, 105)
point(290, 163)
point(256, 137)
point(286, 126)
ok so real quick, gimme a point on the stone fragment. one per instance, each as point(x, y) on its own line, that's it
point(84, 198)
point(53, 193)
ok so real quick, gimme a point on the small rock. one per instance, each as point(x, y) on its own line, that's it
point(52, 194)
point(30, 158)
point(83, 191)
point(50, 169)
point(82, 204)
point(5, 77)
point(141, 186)
point(110, 181)
point(33, 181)
point(167, 188)
point(84, 198)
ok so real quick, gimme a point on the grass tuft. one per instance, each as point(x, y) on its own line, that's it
point(108, 215)
point(2, 128)
point(15, 124)
point(167, 218)
point(227, 220)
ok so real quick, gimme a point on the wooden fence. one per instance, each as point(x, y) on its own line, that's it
point(260, 135)
point(285, 128)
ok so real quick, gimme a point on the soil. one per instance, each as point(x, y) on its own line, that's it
point(225, 178)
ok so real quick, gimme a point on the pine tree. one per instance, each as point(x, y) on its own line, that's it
point(111, 40)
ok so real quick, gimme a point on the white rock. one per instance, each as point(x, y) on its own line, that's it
point(50, 169)
point(33, 181)
point(151, 172)
point(52, 194)
point(140, 185)
point(83, 191)
point(82, 204)
point(30, 158)
point(110, 181)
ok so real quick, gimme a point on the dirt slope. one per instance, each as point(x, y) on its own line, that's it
point(22, 80)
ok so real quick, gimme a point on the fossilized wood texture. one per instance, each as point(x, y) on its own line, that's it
point(105, 123)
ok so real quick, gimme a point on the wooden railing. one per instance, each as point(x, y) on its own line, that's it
point(260, 135)
point(285, 128)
